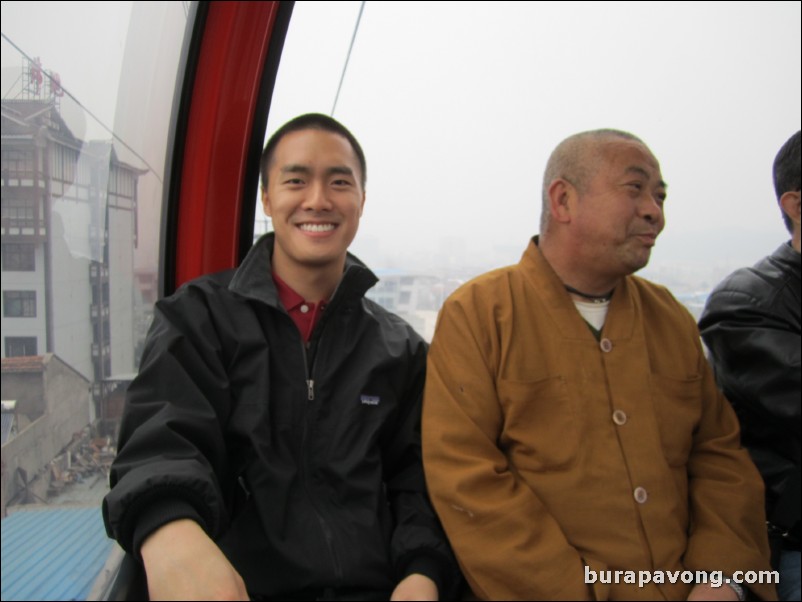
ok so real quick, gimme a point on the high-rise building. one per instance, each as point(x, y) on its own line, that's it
point(69, 232)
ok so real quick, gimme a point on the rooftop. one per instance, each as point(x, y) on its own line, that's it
point(52, 553)
point(29, 363)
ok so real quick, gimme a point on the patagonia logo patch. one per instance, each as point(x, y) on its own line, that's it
point(369, 400)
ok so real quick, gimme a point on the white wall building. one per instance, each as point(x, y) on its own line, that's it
point(69, 230)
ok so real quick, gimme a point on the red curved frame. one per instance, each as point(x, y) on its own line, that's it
point(220, 126)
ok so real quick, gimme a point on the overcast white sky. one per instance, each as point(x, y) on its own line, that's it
point(459, 104)
point(83, 45)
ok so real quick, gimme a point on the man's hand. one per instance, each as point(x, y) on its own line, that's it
point(183, 563)
point(706, 591)
point(415, 587)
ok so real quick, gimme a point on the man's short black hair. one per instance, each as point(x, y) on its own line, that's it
point(788, 171)
point(312, 121)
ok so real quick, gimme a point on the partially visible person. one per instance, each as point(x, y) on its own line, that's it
point(752, 327)
point(572, 427)
point(270, 446)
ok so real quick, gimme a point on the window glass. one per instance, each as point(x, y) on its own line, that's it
point(88, 90)
point(19, 304)
point(20, 346)
point(458, 105)
point(19, 257)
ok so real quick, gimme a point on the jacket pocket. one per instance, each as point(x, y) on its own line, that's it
point(678, 408)
point(540, 429)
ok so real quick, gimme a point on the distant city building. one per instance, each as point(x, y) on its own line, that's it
point(51, 404)
point(69, 231)
point(414, 297)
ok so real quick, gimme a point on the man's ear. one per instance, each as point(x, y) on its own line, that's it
point(790, 204)
point(561, 194)
point(362, 206)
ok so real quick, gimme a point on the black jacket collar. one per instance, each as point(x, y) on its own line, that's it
point(253, 278)
point(788, 258)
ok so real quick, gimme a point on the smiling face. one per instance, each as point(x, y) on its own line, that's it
point(618, 214)
point(315, 198)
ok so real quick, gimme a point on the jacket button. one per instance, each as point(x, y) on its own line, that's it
point(620, 417)
point(606, 345)
point(640, 495)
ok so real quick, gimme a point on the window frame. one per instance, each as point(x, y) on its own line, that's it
point(219, 124)
point(23, 300)
point(19, 257)
point(25, 342)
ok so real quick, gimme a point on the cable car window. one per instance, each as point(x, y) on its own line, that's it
point(88, 91)
point(458, 105)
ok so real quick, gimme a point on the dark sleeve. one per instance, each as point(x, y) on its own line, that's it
point(419, 544)
point(755, 352)
point(171, 446)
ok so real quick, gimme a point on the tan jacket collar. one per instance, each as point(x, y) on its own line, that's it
point(624, 305)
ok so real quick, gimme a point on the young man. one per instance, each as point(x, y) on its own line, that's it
point(575, 444)
point(270, 445)
point(752, 325)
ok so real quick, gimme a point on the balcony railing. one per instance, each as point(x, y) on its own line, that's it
point(23, 227)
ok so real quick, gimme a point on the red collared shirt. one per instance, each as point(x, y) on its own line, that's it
point(304, 313)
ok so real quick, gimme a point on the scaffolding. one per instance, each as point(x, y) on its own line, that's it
point(36, 83)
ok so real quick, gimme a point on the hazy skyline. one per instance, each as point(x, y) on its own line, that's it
point(459, 104)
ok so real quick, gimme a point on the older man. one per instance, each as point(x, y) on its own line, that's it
point(575, 444)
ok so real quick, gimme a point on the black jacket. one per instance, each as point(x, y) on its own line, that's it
point(751, 325)
point(302, 463)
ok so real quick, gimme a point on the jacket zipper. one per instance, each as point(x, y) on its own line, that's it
point(327, 532)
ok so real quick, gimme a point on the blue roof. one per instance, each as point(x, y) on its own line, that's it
point(52, 553)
